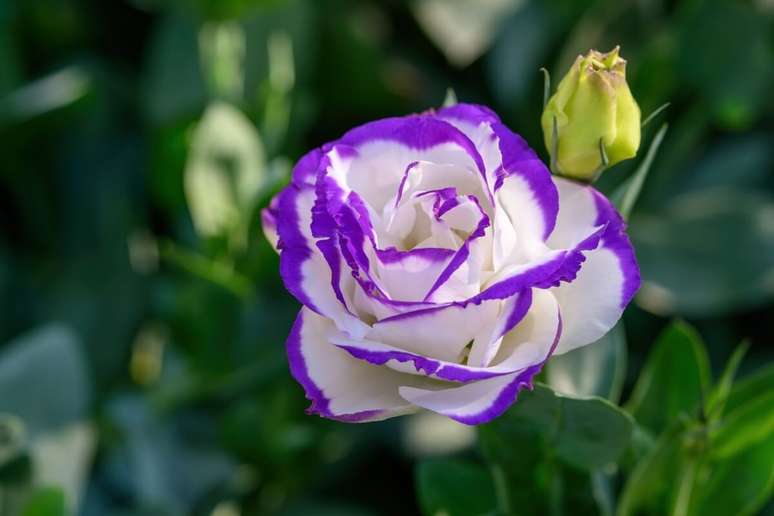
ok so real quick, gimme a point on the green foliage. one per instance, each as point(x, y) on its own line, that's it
point(46, 501)
point(545, 438)
point(454, 488)
point(711, 461)
point(674, 380)
point(44, 380)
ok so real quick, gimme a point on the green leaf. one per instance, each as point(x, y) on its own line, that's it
point(673, 380)
point(707, 253)
point(598, 369)
point(740, 485)
point(651, 480)
point(735, 103)
point(717, 399)
point(63, 458)
point(515, 453)
point(519, 51)
point(46, 501)
point(44, 379)
point(750, 387)
point(174, 86)
point(626, 195)
point(744, 426)
point(462, 31)
point(588, 433)
point(454, 488)
point(222, 48)
point(12, 438)
point(225, 171)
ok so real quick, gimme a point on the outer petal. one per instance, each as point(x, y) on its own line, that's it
point(303, 269)
point(525, 186)
point(269, 222)
point(338, 385)
point(415, 363)
point(479, 402)
point(608, 279)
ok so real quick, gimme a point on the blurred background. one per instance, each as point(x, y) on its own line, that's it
point(142, 318)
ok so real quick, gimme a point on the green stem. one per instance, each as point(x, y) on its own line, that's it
point(501, 488)
point(685, 489)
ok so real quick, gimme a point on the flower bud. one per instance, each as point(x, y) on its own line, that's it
point(595, 117)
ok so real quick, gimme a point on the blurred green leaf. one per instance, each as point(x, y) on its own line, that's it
point(707, 253)
point(13, 438)
point(222, 47)
point(46, 501)
point(673, 381)
point(461, 30)
point(63, 458)
point(739, 485)
point(519, 51)
point(626, 195)
point(44, 380)
point(225, 171)
point(174, 84)
point(744, 426)
point(751, 386)
point(649, 484)
point(215, 271)
point(168, 463)
point(454, 488)
point(323, 508)
point(717, 398)
point(743, 161)
point(744, 52)
point(53, 91)
point(598, 369)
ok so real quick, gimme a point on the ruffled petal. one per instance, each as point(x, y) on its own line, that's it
point(269, 222)
point(481, 401)
point(383, 149)
point(339, 386)
point(303, 266)
point(524, 186)
point(609, 277)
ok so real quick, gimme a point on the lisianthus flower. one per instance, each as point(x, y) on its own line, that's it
point(439, 265)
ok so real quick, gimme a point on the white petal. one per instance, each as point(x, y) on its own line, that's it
point(595, 300)
point(440, 333)
point(340, 386)
point(530, 343)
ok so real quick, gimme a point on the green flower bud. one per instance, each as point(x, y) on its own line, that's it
point(594, 115)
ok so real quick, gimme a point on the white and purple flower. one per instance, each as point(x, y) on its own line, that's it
point(440, 265)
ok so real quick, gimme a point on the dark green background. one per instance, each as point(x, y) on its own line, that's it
point(99, 101)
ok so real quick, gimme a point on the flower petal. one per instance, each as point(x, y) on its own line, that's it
point(481, 401)
point(438, 332)
point(269, 222)
point(609, 277)
point(339, 386)
point(304, 270)
point(524, 186)
point(383, 149)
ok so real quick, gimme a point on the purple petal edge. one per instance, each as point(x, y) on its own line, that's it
point(320, 404)
point(615, 239)
point(429, 366)
point(519, 159)
point(509, 393)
